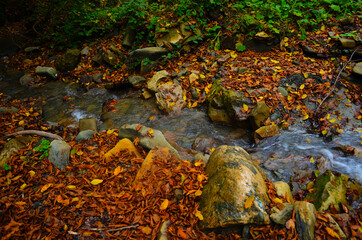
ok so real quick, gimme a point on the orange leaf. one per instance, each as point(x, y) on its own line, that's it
point(117, 170)
point(138, 127)
point(249, 202)
point(198, 193)
point(164, 204)
point(332, 233)
point(45, 187)
point(199, 215)
point(182, 234)
point(146, 230)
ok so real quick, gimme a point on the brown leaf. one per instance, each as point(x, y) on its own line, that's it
point(249, 202)
point(182, 234)
point(332, 233)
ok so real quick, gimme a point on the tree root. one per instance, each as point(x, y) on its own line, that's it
point(36, 132)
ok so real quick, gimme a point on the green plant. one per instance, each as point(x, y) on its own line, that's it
point(7, 167)
point(43, 148)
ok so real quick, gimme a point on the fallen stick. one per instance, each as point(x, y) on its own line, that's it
point(36, 132)
point(109, 230)
point(335, 82)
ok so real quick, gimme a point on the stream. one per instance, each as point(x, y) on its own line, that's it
point(66, 104)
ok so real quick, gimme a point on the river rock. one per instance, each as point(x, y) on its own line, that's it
point(231, 101)
point(330, 190)
point(282, 216)
point(25, 80)
point(87, 124)
point(148, 166)
point(68, 61)
point(129, 37)
point(305, 219)
point(234, 181)
point(203, 143)
point(158, 76)
point(266, 131)
point(11, 147)
point(110, 58)
point(149, 142)
point(123, 145)
point(218, 115)
point(135, 57)
point(283, 92)
point(136, 81)
point(8, 110)
point(46, 71)
point(31, 49)
point(84, 135)
point(173, 36)
point(357, 69)
point(59, 154)
point(259, 114)
point(347, 43)
point(163, 234)
point(170, 98)
point(283, 190)
point(84, 51)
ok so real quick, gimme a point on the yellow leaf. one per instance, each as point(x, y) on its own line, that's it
point(305, 75)
point(194, 105)
point(150, 132)
point(233, 54)
point(286, 39)
point(45, 187)
point(202, 76)
point(16, 178)
point(249, 202)
point(302, 87)
point(117, 170)
point(79, 153)
point(322, 72)
point(323, 28)
point(192, 77)
point(274, 61)
point(289, 98)
point(32, 173)
point(332, 233)
point(328, 116)
point(324, 132)
point(21, 123)
point(27, 114)
point(23, 186)
point(96, 181)
point(310, 185)
point(71, 187)
point(198, 193)
point(76, 199)
point(146, 230)
point(264, 58)
point(245, 107)
point(304, 96)
point(198, 163)
point(311, 160)
point(333, 120)
point(306, 117)
point(110, 131)
point(199, 215)
point(164, 204)
point(277, 200)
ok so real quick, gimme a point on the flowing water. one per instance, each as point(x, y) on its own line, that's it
point(68, 103)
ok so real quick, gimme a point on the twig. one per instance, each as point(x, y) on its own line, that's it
point(109, 230)
point(36, 132)
point(335, 82)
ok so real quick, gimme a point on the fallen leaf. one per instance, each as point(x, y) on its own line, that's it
point(96, 181)
point(146, 230)
point(332, 233)
point(249, 202)
point(199, 215)
point(32, 173)
point(164, 204)
point(71, 187)
point(198, 193)
point(182, 234)
point(117, 170)
point(245, 107)
point(45, 187)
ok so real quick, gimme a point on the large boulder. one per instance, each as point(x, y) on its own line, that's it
point(68, 61)
point(10, 148)
point(169, 98)
point(173, 36)
point(236, 192)
point(105, 58)
point(59, 154)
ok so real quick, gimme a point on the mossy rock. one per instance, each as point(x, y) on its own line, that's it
point(329, 190)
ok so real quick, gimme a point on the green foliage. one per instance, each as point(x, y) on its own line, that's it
point(43, 148)
point(7, 167)
point(67, 22)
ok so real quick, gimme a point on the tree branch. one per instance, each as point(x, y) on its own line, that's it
point(36, 132)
